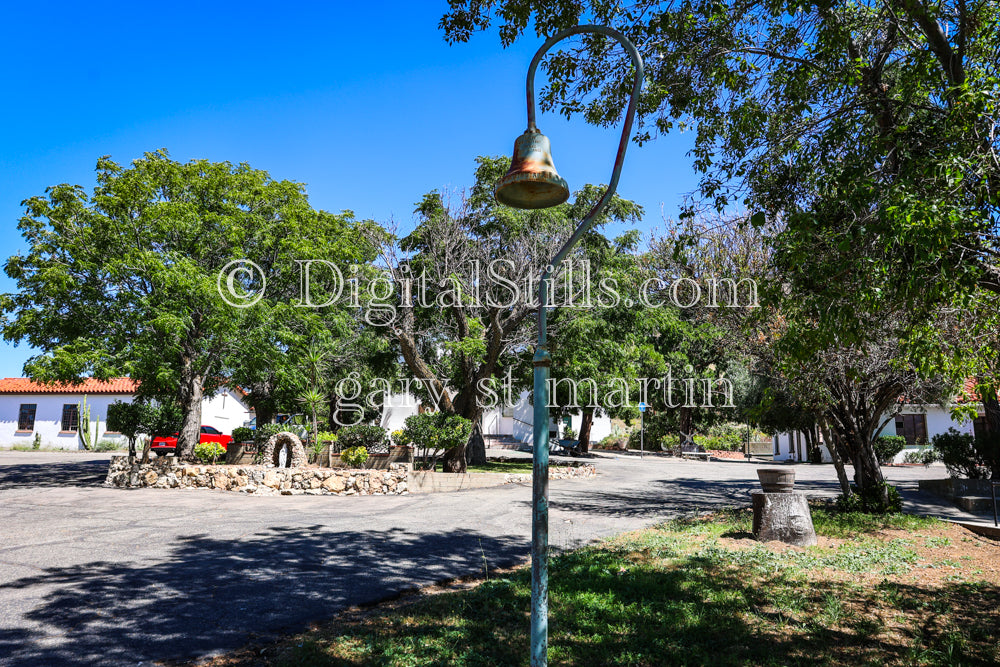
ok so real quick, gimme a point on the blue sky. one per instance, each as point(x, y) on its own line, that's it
point(365, 103)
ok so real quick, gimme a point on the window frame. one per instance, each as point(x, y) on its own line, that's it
point(72, 412)
point(22, 423)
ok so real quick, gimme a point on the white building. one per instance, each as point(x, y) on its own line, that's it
point(917, 423)
point(53, 411)
point(515, 422)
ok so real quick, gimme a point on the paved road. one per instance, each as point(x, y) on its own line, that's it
point(97, 576)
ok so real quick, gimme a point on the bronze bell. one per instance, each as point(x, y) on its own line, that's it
point(532, 181)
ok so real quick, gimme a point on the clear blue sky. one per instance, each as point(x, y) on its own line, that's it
point(363, 102)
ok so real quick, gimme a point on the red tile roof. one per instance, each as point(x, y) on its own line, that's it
point(88, 386)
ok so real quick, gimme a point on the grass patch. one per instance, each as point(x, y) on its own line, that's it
point(700, 592)
point(517, 467)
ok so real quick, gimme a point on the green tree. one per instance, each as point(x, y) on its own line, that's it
point(472, 267)
point(126, 280)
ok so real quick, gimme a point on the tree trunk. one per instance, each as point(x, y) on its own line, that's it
point(192, 394)
point(991, 406)
point(838, 461)
point(476, 447)
point(585, 423)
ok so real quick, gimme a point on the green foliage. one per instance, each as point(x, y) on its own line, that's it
point(924, 455)
point(83, 419)
point(881, 499)
point(326, 436)
point(354, 456)
point(100, 302)
point(887, 446)
point(242, 434)
point(368, 436)
point(965, 455)
point(209, 452)
point(107, 446)
point(437, 432)
point(37, 443)
point(264, 432)
point(569, 433)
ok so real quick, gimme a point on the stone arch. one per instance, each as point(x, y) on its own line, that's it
point(277, 442)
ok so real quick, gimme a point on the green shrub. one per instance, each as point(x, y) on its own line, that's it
point(871, 501)
point(612, 442)
point(670, 442)
point(208, 452)
point(887, 446)
point(107, 446)
point(964, 455)
point(354, 456)
point(728, 436)
point(37, 444)
point(243, 434)
point(369, 436)
point(326, 436)
point(265, 431)
point(437, 431)
point(924, 455)
point(569, 433)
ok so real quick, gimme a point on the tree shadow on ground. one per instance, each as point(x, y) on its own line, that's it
point(700, 611)
point(675, 496)
point(47, 475)
point(219, 594)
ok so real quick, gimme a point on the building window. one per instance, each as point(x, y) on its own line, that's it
point(26, 417)
point(70, 417)
point(913, 428)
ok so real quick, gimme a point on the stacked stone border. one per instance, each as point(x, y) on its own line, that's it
point(168, 473)
point(399, 479)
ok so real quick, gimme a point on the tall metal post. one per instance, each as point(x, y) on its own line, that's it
point(542, 359)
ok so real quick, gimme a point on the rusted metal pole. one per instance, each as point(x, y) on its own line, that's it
point(542, 359)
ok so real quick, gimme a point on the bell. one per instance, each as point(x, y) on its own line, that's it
point(532, 181)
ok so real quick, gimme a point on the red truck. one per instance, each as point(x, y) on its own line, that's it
point(162, 445)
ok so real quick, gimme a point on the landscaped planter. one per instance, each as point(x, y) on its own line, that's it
point(169, 473)
point(776, 480)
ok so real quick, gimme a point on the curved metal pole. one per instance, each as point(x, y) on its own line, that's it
point(542, 359)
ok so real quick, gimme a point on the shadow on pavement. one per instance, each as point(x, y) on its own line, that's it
point(674, 497)
point(36, 475)
point(220, 594)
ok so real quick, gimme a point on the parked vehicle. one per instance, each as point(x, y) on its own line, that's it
point(162, 445)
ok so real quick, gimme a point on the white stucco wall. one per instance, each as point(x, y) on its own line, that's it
point(48, 418)
point(225, 411)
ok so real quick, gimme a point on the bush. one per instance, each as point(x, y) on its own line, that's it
point(437, 431)
point(37, 443)
point(964, 455)
point(617, 442)
point(924, 455)
point(887, 446)
point(243, 434)
point(569, 433)
point(369, 436)
point(354, 456)
point(670, 442)
point(871, 501)
point(265, 431)
point(728, 436)
point(208, 452)
point(107, 446)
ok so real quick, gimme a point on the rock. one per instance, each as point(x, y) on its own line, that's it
point(150, 478)
point(272, 479)
point(314, 483)
point(221, 481)
point(334, 484)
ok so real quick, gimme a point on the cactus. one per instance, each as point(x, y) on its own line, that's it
point(83, 426)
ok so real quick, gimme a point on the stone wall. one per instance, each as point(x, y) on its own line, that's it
point(168, 473)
